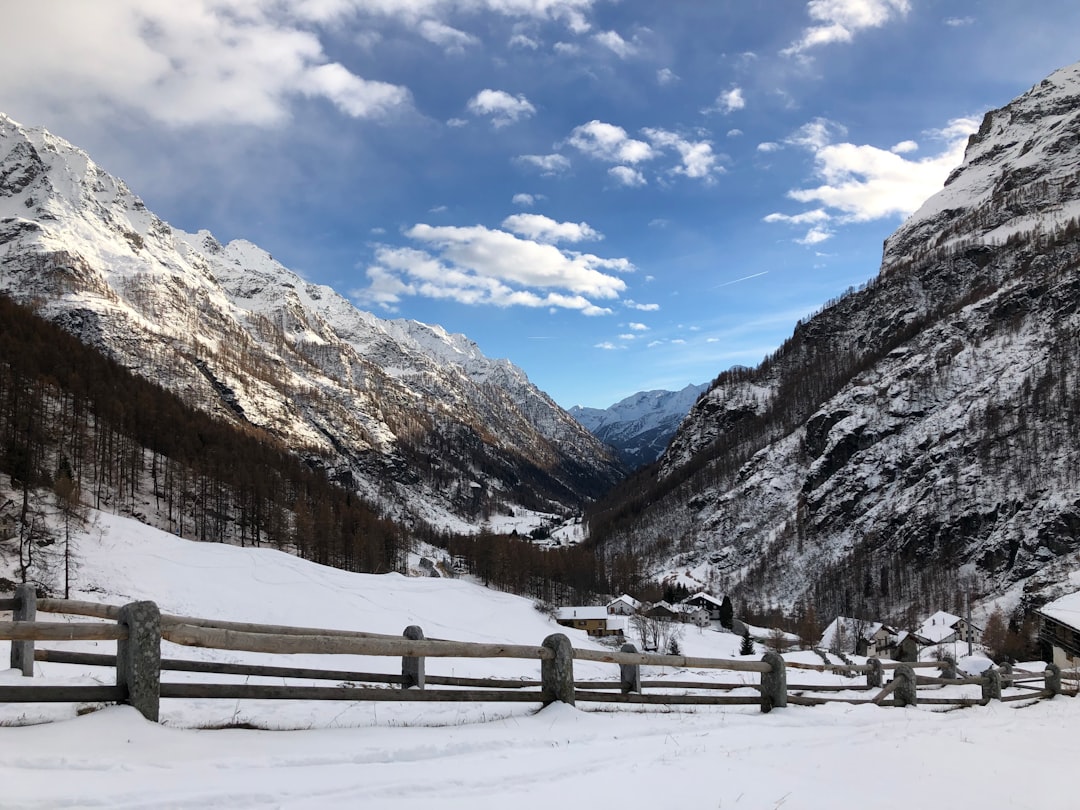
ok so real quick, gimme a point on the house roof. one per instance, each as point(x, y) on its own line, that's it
point(1065, 610)
point(581, 613)
point(939, 626)
point(628, 599)
point(707, 597)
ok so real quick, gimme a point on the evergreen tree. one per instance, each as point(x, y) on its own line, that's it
point(747, 646)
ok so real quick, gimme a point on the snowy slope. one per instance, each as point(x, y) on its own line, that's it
point(917, 437)
point(336, 754)
point(232, 330)
point(640, 426)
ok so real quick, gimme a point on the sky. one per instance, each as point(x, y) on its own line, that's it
point(616, 195)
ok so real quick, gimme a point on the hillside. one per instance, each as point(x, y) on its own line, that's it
point(640, 426)
point(916, 440)
point(412, 418)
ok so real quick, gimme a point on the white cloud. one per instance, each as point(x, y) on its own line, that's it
point(502, 107)
point(451, 40)
point(547, 230)
point(840, 20)
point(524, 200)
point(616, 44)
point(566, 48)
point(547, 164)
point(817, 134)
point(608, 346)
point(627, 336)
point(958, 22)
point(457, 123)
point(904, 147)
point(626, 176)
point(728, 102)
point(698, 160)
point(734, 133)
point(610, 143)
point(482, 266)
point(768, 146)
point(666, 76)
point(523, 41)
point(638, 327)
point(862, 182)
point(181, 64)
point(642, 307)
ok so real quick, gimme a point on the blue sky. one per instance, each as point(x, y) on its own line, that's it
point(617, 196)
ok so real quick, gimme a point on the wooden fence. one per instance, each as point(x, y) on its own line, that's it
point(139, 628)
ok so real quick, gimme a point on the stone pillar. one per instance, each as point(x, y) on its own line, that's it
point(1053, 679)
point(873, 675)
point(138, 657)
point(1006, 671)
point(22, 652)
point(905, 693)
point(774, 683)
point(991, 685)
point(412, 669)
point(557, 674)
point(630, 674)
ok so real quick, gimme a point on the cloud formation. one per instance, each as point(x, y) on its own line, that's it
point(547, 164)
point(610, 143)
point(451, 40)
point(862, 182)
point(483, 266)
point(840, 20)
point(501, 107)
point(728, 102)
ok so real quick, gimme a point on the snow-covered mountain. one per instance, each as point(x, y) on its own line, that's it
point(640, 426)
point(407, 414)
point(917, 437)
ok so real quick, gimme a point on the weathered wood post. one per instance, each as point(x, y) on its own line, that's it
point(905, 693)
point(948, 669)
point(22, 652)
point(557, 672)
point(412, 669)
point(991, 685)
point(773, 683)
point(138, 657)
point(1052, 674)
point(1007, 676)
point(873, 674)
point(630, 674)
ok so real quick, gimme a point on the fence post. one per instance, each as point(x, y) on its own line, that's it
point(412, 669)
point(138, 657)
point(991, 685)
point(630, 674)
point(22, 652)
point(948, 668)
point(1053, 679)
point(773, 683)
point(873, 674)
point(1006, 671)
point(557, 674)
point(905, 693)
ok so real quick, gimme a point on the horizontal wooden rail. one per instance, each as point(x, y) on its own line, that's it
point(923, 680)
point(74, 607)
point(191, 636)
point(913, 664)
point(669, 700)
point(652, 659)
point(1044, 693)
point(9, 604)
point(830, 687)
point(61, 694)
point(803, 700)
point(838, 668)
point(244, 691)
point(938, 701)
point(716, 685)
point(60, 631)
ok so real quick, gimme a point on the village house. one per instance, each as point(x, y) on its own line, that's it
point(1059, 629)
point(624, 605)
point(945, 628)
point(707, 602)
point(594, 620)
point(859, 636)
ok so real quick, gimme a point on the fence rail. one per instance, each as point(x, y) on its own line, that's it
point(139, 629)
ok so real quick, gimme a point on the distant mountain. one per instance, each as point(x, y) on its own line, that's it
point(640, 426)
point(416, 420)
point(917, 439)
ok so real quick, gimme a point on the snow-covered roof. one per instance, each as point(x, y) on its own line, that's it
point(707, 597)
point(938, 626)
point(582, 612)
point(628, 599)
point(852, 627)
point(1065, 610)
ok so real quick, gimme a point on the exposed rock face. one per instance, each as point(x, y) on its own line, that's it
point(925, 425)
point(403, 412)
point(640, 426)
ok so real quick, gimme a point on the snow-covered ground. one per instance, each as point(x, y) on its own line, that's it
point(412, 755)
